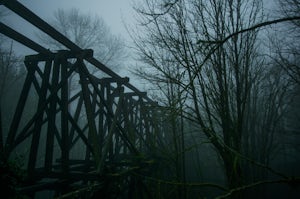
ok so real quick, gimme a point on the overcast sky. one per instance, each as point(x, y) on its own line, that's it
point(114, 12)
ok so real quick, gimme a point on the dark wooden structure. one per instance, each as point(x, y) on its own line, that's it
point(83, 124)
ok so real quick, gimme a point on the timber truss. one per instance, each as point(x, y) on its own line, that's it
point(82, 124)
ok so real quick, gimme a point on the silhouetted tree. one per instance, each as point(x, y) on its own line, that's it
point(11, 71)
point(87, 31)
point(170, 96)
point(288, 48)
point(222, 75)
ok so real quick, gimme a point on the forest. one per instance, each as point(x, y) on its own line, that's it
point(219, 119)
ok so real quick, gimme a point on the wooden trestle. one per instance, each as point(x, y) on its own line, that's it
point(82, 124)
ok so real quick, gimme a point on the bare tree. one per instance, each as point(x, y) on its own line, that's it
point(11, 70)
point(87, 31)
point(11, 74)
point(169, 94)
point(287, 48)
point(219, 66)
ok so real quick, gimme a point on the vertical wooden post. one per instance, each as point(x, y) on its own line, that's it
point(64, 117)
point(89, 112)
point(110, 101)
point(39, 121)
point(51, 116)
point(127, 124)
point(108, 143)
point(101, 130)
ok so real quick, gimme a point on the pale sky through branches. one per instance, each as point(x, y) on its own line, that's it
point(114, 12)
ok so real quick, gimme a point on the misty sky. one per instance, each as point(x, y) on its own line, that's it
point(114, 12)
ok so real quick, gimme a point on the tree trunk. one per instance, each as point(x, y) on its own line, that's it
point(234, 173)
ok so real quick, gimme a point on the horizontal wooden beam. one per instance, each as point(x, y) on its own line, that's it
point(66, 54)
point(140, 94)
